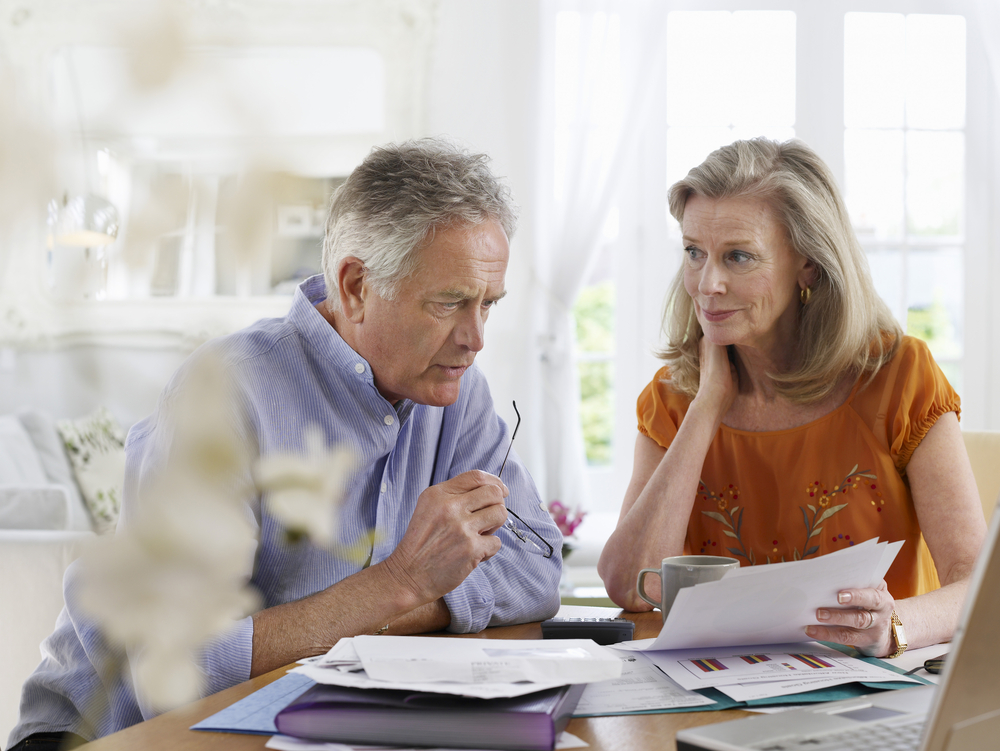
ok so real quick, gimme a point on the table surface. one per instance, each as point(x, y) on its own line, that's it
point(653, 731)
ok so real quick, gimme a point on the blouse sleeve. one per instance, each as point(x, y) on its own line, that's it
point(920, 394)
point(660, 410)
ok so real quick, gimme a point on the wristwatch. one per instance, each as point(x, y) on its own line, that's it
point(898, 635)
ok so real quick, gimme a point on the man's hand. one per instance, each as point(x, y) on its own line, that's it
point(450, 533)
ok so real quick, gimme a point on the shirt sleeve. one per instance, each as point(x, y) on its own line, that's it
point(515, 585)
point(660, 410)
point(918, 395)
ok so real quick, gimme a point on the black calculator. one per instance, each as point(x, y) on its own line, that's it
point(601, 630)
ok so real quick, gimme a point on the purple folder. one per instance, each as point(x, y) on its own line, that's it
point(406, 718)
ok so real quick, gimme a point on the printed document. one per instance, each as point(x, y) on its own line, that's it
point(771, 603)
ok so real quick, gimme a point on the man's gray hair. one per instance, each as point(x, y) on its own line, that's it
point(393, 202)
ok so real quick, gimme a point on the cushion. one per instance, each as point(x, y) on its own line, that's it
point(19, 462)
point(39, 507)
point(42, 430)
point(95, 445)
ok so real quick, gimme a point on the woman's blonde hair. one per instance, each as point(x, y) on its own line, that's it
point(845, 327)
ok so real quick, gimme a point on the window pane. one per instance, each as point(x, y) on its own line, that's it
point(698, 94)
point(874, 54)
point(935, 71)
point(748, 76)
point(874, 181)
point(886, 265)
point(688, 147)
point(934, 182)
point(762, 67)
point(595, 324)
point(597, 410)
point(934, 299)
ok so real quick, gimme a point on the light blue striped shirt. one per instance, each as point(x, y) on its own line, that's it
point(293, 372)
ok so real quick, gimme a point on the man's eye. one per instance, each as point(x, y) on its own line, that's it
point(490, 303)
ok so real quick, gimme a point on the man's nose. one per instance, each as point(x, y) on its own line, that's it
point(469, 331)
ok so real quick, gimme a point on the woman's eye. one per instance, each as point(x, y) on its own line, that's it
point(738, 256)
point(692, 252)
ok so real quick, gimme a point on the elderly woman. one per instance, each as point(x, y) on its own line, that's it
point(793, 418)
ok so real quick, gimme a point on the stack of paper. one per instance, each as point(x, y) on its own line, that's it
point(482, 668)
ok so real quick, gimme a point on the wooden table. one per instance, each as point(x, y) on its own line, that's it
point(170, 730)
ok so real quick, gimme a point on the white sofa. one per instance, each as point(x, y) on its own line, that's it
point(44, 525)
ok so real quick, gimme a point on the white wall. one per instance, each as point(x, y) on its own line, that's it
point(481, 91)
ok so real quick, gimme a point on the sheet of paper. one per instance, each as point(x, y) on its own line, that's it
point(359, 679)
point(769, 664)
point(751, 691)
point(474, 661)
point(769, 604)
point(342, 666)
point(288, 743)
point(641, 686)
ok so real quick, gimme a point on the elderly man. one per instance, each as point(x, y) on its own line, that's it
point(380, 357)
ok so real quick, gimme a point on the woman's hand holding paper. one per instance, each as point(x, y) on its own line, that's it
point(862, 619)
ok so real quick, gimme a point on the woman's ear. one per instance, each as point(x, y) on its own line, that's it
point(809, 275)
point(351, 286)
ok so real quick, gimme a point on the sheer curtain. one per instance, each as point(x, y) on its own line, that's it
point(603, 59)
point(987, 18)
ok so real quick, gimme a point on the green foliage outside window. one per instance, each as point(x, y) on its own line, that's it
point(933, 324)
point(595, 324)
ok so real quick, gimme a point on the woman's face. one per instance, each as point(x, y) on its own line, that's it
point(742, 273)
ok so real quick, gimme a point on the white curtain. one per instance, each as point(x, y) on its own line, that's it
point(601, 94)
point(986, 17)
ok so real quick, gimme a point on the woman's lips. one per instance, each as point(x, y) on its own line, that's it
point(717, 315)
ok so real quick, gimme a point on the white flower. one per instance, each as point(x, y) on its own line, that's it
point(176, 572)
point(306, 490)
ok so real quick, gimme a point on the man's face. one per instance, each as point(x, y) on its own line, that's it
point(421, 343)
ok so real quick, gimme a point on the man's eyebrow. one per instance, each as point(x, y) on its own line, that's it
point(459, 295)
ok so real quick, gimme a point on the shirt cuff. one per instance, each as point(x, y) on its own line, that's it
point(471, 604)
point(226, 658)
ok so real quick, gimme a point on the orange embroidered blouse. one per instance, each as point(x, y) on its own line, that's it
point(789, 494)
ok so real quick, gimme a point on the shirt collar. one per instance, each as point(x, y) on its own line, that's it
point(327, 342)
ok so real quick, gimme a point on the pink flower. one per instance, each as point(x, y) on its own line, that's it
point(564, 518)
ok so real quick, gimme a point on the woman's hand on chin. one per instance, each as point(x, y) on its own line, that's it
point(862, 621)
point(718, 380)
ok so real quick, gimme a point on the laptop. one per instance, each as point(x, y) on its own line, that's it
point(961, 713)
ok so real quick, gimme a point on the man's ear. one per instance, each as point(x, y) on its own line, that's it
point(351, 285)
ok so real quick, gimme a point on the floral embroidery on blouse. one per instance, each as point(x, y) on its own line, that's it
point(813, 527)
point(732, 518)
point(812, 517)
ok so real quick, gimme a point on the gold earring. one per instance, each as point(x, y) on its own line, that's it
point(804, 294)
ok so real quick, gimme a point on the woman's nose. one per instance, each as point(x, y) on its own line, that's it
point(713, 279)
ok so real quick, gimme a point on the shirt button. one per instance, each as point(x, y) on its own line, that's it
point(359, 368)
point(384, 487)
point(388, 420)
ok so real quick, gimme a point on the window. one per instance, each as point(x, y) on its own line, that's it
point(882, 97)
point(904, 157)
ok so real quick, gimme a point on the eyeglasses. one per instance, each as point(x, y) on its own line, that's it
point(532, 541)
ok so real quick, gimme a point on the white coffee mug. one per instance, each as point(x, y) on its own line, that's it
point(681, 571)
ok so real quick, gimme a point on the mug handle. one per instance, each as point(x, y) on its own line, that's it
point(639, 589)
